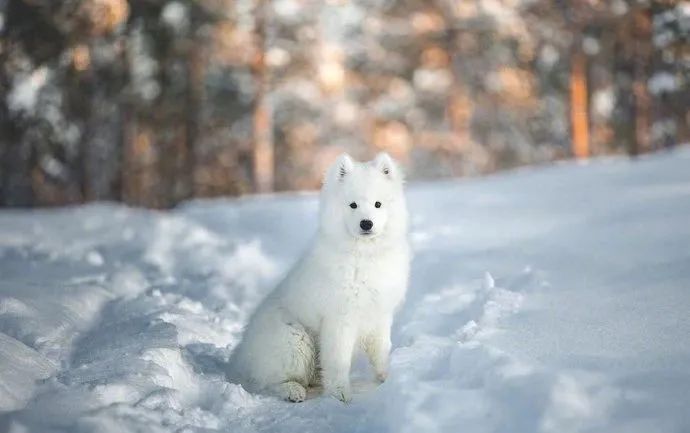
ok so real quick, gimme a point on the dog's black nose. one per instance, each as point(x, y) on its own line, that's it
point(366, 225)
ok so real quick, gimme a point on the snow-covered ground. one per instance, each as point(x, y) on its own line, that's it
point(554, 299)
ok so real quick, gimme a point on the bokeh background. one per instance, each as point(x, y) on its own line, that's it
point(152, 102)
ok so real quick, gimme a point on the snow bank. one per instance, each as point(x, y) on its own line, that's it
point(552, 300)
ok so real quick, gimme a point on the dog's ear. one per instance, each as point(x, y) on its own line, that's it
point(385, 164)
point(341, 168)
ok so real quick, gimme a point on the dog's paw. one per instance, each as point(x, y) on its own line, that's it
point(342, 393)
point(381, 376)
point(292, 391)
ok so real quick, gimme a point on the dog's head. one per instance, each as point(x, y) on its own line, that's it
point(363, 200)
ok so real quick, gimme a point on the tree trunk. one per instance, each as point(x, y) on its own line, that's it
point(642, 26)
point(578, 104)
point(263, 129)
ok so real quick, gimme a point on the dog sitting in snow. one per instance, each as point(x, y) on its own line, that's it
point(340, 295)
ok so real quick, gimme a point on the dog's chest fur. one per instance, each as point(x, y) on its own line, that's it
point(370, 281)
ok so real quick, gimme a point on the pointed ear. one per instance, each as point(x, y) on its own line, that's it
point(341, 168)
point(385, 164)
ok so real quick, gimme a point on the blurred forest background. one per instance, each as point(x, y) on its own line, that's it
point(152, 102)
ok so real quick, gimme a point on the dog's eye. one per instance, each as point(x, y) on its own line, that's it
point(377, 204)
point(353, 205)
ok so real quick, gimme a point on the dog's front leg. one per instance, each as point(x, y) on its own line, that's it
point(337, 342)
point(377, 346)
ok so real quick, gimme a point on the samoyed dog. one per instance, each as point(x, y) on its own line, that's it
point(340, 296)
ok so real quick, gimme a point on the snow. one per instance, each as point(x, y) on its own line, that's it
point(604, 102)
point(25, 89)
point(552, 299)
point(662, 82)
point(590, 46)
point(175, 15)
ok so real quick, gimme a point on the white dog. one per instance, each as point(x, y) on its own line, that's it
point(340, 295)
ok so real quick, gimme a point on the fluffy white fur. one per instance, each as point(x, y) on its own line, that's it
point(340, 295)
